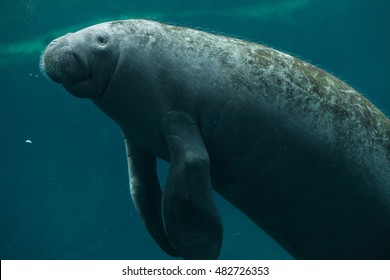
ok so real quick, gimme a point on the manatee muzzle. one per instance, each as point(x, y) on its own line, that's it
point(63, 64)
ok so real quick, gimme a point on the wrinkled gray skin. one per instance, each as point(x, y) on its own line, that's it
point(301, 153)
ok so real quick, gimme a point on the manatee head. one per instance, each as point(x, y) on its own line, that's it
point(83, 62)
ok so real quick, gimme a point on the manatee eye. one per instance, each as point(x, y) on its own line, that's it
point(102, 39)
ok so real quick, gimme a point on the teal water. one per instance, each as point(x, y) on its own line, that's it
point(65, 195)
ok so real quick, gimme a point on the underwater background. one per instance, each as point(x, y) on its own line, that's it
point(63, 173)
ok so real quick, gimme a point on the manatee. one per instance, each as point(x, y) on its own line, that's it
point(300, 152)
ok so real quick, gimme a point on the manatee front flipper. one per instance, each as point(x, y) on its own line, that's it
point(191, 219)
point(146, 194)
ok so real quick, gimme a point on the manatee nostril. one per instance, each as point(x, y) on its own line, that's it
point(52, 43)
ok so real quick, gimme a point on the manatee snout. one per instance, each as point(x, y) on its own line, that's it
point(62, 63)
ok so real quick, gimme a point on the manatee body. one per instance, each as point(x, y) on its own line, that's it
point(300, 152)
